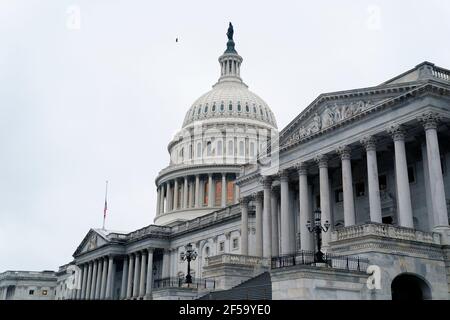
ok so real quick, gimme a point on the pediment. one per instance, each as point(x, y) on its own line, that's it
point(91, 241)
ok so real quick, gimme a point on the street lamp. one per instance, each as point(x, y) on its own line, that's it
point(317, 228)
point(189, 255)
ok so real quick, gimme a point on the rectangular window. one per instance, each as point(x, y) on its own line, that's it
point(235, 243)
point(360, 189)
point(339, 195)
point(222, 246)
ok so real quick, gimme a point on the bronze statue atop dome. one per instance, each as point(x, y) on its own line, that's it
point(230, 32)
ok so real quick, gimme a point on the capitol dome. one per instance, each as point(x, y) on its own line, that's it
point(226, 128)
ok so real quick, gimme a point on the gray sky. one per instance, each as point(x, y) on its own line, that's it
point(79, 106)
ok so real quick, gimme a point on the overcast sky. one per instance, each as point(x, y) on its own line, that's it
point(99, 98)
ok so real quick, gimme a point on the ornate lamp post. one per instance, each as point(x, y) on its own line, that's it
point(189, 255)
point(317, 228)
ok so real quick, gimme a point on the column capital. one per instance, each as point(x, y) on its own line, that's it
point(150, 250)
point(302, 168)
point(322, 160)
point(244, 201)
point(369, 142)
point(283, 175)
point(266, 181)
point(257, 196)
point(397, 132)
point(429, 120)
point(345, 152)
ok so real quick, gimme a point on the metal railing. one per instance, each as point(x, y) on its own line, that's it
point(349, 263)
point(181, 283)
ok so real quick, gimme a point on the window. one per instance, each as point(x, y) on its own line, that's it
point(360, 189)
point(339, 195)
point(230, 192)
point(222, 107)
point(208, 149)
point(260, 111)
point(222, 246)
point(254, 109)
point(206, 109)
point(230, 148)
point(411, 174)
point(207, 251)
point(190, 151)
point(31, 292)
point(230, 106)
point(214, 107)
point(241, 148)
point(382, 181)
point(199, 110)
point(239, 106)
point(247, 108)
point(235, 243)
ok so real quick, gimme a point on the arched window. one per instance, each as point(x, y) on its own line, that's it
point(239, 106)
point(190, 151)
point(230, 148)
point(219, 147)
point(214, 107)
point(230, 106)
point(208, 149)
point(260, 111)
point(241, 148)
point(206, 109)
point(254, 109)
point(182, 154)
point(247, 108)
point(222, 107)
point(199, 150)
point(199, 110)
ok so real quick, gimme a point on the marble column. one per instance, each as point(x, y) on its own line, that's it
point(372, 179)
point(191, 194)
point(166, 264)
point(267, 218)
point(109, 290)
point(197, 191)
point(306, 237)
point(164, 198)
point(136, 275)
point(430, 122)
point(347, 185)
point(274, 223)
point(258, 198)
point(244, 226)
point(104, 275)
point(185, 193)
point(123, 287)
point(149, 286)
point(94, 280)
point(158, 201)
point(401, 176)
point(85, 293)
point(325, 205)
point(143, 270)
point(175, 195)
point(224, 190)
point(236, 193)
point(169, 205)
point(286, 245)
point(98, 283)
point(130, 276)
point(83, 282)
point(210, 191)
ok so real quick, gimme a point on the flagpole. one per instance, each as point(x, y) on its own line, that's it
point(104, 210)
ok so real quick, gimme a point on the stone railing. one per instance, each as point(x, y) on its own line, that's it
point(237, 259)
point(441, 73)
point(383, 230)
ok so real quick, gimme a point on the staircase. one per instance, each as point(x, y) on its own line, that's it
point(257, 288)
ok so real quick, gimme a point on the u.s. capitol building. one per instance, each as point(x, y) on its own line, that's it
point(367, 167)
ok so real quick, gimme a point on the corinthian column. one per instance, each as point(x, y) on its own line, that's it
point(244, 226)
point(136, 275)
point(210, 191)
point(110, 278)
point(347, 185)
point(439, 206)
point(149, 286)
point(123, 287)
point(306, 241)
point(185, 193)
point(143, 270)
point(89, 282)
point(130, 276)
point(104, 274)
point(372, 176)
point(94, 280)
point(267, 218)
point(197, 191)
point(175, 195)
point(169, 206)
point(401, 176)
point(274, 223)
point(158, 201)
point(258, 224)
point(286, 245)
point(325, 207)
point(224, 190)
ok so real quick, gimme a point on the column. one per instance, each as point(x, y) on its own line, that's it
point(274, 214)
point(191, 195)
point(83, 276)
point(286, 246)
point(123, 287)
point(401, 176)
point(210, 191)
point(163, 197)
point(136, 275)
point(267, 219)
point(185, 193)
point(258, 198)
point(130, 276)
point(372, 177)
point(104, 278)
point(166, 264)
point(169, 205)
point(325, 207)
point(85, 281)
point(143, 270)
point(99, 278)
point(306, 237)
point(426, 176)
point(224, 190)
point(197, 191)
point(347, 185)
point(94, 280)
point(158, 201)
point(149, 286)
point(109, 290)
point(244, 226)
point(430, 121)
point(175, 195)
point(236, 192)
